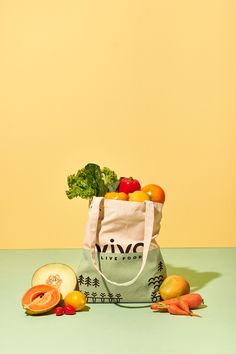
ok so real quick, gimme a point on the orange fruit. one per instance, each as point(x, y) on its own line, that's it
point(116, 195)
point(174, 286)
point(138, 196)
point(155, 192)
point(76, 299)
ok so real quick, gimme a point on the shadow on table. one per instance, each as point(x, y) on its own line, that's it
point(196, 279)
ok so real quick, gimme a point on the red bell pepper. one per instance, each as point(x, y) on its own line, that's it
point(129, 185)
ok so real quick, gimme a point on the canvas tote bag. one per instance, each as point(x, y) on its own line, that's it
point(121, 261)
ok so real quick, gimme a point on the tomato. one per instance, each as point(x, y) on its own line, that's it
point(76, 299)
point(69, 310)
point(129, 185)
point(116, 196)
point(138, 196)
point(155, 192)
point(174, 286)
point(59, 311)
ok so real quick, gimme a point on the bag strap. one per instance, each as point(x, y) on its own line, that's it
point(93, 227)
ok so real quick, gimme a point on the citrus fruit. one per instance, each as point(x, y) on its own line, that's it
point(138, 196)
point(174, 286)
point(76, 299)
point(155, 192)
point(116, 195)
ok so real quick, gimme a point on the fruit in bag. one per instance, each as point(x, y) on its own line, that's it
point(155, 192)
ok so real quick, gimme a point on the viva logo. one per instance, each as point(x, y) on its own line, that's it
point(116, 248)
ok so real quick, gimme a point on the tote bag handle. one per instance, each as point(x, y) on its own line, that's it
point(93, 227)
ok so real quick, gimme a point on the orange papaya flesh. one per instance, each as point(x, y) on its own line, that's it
point(40, 299)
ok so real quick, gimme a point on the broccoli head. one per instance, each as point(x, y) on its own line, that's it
point(91, 181)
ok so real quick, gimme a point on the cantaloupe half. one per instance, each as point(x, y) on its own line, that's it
point(40, 299)
point(56, 274)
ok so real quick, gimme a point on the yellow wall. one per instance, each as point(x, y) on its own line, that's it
point(146, 88)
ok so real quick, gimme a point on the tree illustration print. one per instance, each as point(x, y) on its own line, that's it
point(102, 296)
point(94, 295)
point(160, 266)
point(118, 297)
point(96, 282)
point(81, 280)
point(111, 296)
point(87, 281)
point(86, 294)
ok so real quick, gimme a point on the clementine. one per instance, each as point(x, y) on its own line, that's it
point(116, 195)
point(138, 196)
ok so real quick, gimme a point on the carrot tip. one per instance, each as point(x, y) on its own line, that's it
point(195, 314)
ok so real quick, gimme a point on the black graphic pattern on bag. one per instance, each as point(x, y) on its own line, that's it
point(156, 281)
point(94, 295)
point(155, 296)
point(88, 281)
point(81, 280)
point(160, 266)
point(95, 282)
point(102, 297)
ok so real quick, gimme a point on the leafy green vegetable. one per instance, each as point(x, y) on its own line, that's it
point(91, 181)
point(110, 179)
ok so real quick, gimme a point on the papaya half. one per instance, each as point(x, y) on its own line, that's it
point(40, 299)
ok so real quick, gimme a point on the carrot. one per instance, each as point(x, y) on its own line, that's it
point(193, 300)
point(176, 310)
point(159, 306)
point(184, 306)
point(162, 305)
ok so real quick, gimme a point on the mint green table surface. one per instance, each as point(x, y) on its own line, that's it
point(108, 328)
